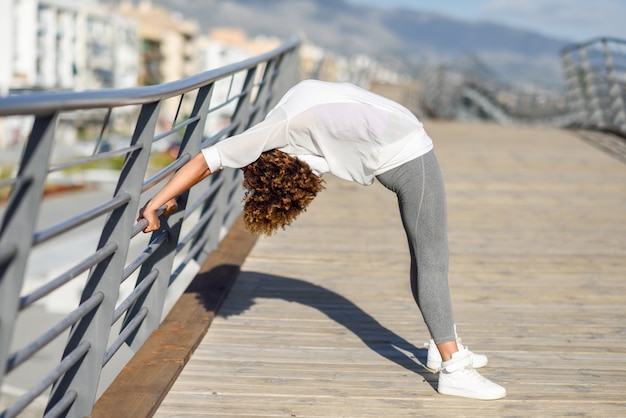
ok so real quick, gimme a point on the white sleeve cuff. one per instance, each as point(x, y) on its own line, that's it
point(212, 158)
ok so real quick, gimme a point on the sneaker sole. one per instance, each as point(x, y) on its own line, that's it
point(465, 394)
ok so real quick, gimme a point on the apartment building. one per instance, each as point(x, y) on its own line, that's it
point(168, 42)
point(65, 45)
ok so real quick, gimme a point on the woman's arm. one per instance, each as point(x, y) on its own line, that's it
point(188, 175)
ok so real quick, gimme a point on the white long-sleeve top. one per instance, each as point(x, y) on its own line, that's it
point(335, 127)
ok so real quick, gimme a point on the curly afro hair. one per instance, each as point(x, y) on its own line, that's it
point(278, 187)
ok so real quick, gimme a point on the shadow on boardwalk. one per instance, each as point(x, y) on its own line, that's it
point(374, 335)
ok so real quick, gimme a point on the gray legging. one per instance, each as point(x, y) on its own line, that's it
point(419, 187)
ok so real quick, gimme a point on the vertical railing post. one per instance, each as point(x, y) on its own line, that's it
point(616, 95)
point(104, 278)
point(18, 225)
point(574, 79)
point(266, 94)
point(595, 113)
point(163, 258)
point(288, 71)
point(226, 177)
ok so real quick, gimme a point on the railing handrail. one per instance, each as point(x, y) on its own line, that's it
point(592, 41)
point(106, 317)
point(43, 102)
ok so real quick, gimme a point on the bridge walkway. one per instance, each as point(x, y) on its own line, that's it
point(321, 323)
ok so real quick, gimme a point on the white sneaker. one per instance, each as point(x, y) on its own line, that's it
point(458, 378)
point(433, 361)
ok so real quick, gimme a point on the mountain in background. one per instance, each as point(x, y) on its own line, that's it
point(404, 39)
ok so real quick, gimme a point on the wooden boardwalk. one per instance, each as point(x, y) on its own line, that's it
point(321, 322)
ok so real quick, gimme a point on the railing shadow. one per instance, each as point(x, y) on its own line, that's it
point(377, 337)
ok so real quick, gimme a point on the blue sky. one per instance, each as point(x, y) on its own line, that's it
point(575, 20)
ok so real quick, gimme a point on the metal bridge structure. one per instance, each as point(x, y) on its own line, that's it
point(449, 94)
point(595, 74)
point(594, 96)
point(191, 114)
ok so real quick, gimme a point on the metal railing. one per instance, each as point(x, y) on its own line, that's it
point(453, 94)
point(595, 74)
point(109, 314)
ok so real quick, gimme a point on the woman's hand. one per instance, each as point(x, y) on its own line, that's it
point(149, 213)
point(188, 175)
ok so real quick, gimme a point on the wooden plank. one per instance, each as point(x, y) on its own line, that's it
point(321, 323)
